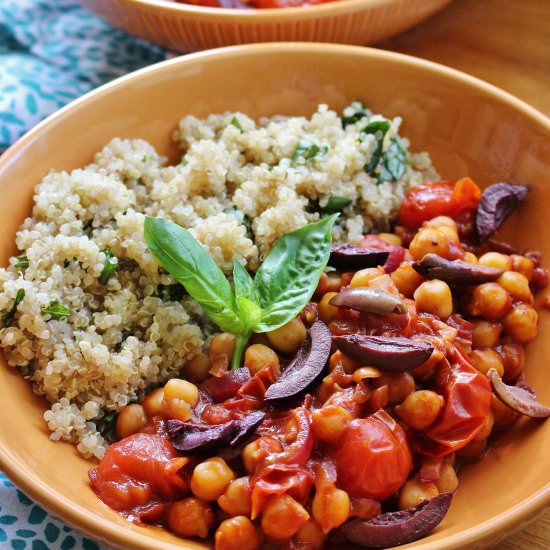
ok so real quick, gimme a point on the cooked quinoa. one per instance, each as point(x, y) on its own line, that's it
point(117, 325)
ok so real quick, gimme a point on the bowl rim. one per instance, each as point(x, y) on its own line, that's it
point(326, 9)
point(109, 531)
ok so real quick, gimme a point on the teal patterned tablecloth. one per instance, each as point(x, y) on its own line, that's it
point(51, 52)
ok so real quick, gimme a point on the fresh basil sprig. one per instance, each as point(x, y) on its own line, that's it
point(283, 285)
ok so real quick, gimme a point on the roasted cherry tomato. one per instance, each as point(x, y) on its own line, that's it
point(138, 470)
point(440, 198)
point(373, 458)
point(467, 395)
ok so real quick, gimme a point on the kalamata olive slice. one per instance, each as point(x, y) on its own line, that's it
point(393, 354)
point(246, 426)
point(192, 436)
point(396, 528)
point(352, 257)
point(455, 272)
point(518, 398)
point(497, 202)
point(225, 386)
point(371, 300)
point(310, 361)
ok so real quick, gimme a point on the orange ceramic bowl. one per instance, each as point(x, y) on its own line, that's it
point(185, 28)
point(469, 127)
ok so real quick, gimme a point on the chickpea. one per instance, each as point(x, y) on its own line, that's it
point(334, 282)
point(211, 478)
point(384, 282)
point(197, 368)
point(178, 399)
point(256, 451)
point(474, 450)
point(486, 359)
point(513, 358)
point(414, 492)
point(523, 265)
point(434, 297)
point(420, 408)
point(448, 481)
point(521, 323)
point(406, 279)
point(177, 409)
point(237, 532)
point(152, 402)
point(364, 276)
point(222, 347)
point(503, 415)
point(442, 221)
point(258, 356)
point(348, 364)
point(489, 301)
point(289, 337)
point(130, 420)
point(470, 258)
point(330, 508)
point(330, 422)
point(390, 238)
point(496, 259)
point(283, 517)
point(485, 432)
point(430, 239)
point(486, 334)
point(327, 312)
point(190, 517)
point(236, 499)
point(517, 286)
point(400, 384)
point(310, 536)
point(176, 388)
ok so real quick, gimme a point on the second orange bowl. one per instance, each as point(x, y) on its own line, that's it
point(185, 28)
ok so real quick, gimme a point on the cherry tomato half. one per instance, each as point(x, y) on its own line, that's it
point(373, 458)
point(439, 198)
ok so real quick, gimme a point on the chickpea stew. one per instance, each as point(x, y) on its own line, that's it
point(348, 410)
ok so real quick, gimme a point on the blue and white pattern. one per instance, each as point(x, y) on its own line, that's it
point(53, 51)
point(26, 526)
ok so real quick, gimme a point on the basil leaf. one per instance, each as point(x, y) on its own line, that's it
point(22, 262)
point(360, 112)
point(288, 277)
point(56, 310)
point(379, 128)
point(9, 316)
point(109, 267)
point(183, 257)
point(237, 124)
point(249, 311)
point(335, 204)
point(244, 284)
point(393, 165)
point(308, 150)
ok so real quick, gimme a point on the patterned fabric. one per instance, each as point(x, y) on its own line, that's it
point(53, 51)
point(26, 526)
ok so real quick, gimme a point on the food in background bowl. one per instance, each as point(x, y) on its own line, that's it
point(259, 4)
